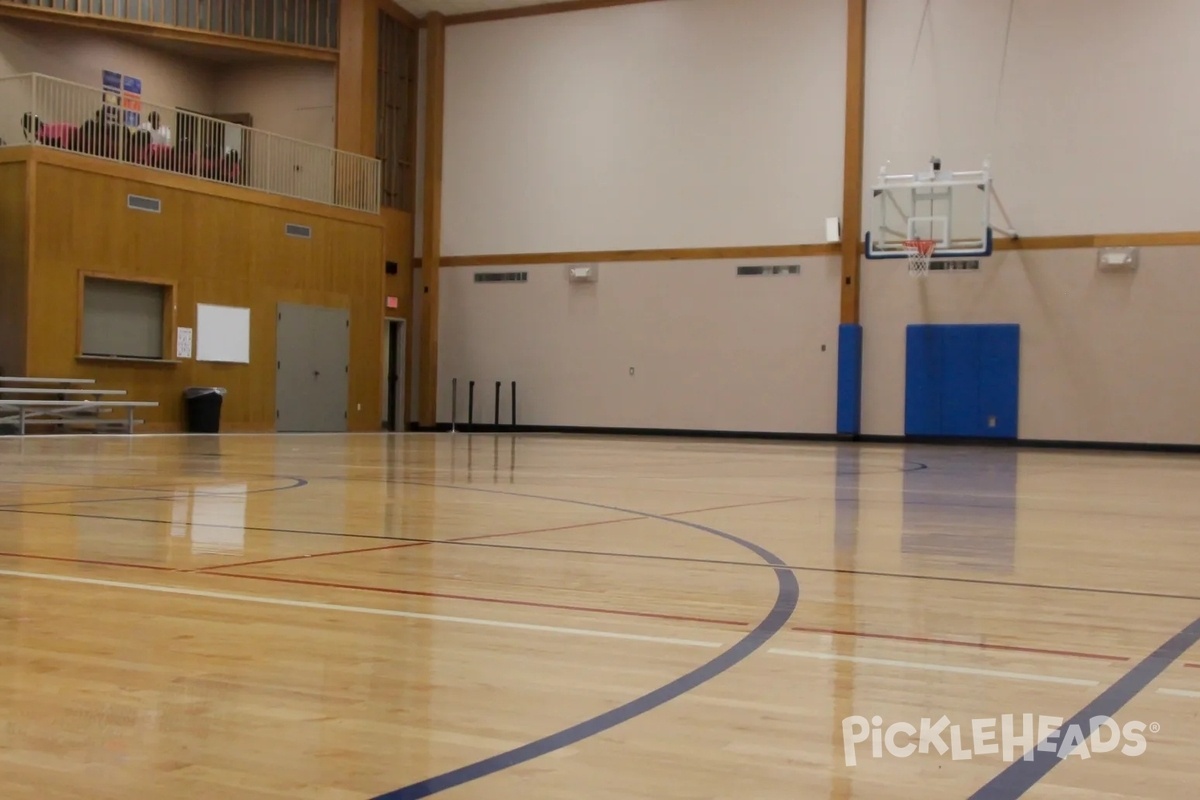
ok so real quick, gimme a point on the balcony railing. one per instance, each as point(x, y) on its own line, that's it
point(48, 112)
point(313, 23)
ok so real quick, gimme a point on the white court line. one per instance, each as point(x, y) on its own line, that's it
point(381, 612)
point(1180, 693)
point(920, 665)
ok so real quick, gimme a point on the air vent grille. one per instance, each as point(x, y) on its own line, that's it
point(298, 231)
point(139, 203)
point(792, 269)
point(501, 277)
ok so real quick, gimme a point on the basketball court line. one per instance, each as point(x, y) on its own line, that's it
point(927, 666)
point(478, 599)
point(216, 571)
point(1180, 693)
point(955, 643)
point(1193, 666)
point(1100, 590)
point(1021, 776)
point(297, 483)
point(63, 559)
point(404, 544)
point(923, 666)
point(380, 612)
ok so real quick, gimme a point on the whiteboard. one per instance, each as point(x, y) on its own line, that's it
point(222, 334)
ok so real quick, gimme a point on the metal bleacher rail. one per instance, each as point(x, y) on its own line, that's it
point(48, 112)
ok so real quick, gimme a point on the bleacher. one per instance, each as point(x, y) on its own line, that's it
point(63, 405)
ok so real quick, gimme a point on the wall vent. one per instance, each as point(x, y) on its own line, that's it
point(139, 203)
point(791, 269)
point(298, 231)
point(501, 277)
point(954, 265)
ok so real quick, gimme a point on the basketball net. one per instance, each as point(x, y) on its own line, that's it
point(920, 251)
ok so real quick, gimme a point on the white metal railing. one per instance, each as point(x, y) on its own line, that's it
point(48, 112)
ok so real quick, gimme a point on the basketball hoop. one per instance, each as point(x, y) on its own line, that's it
point(920, 251)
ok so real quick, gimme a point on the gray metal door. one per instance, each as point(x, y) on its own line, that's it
point(312, 346)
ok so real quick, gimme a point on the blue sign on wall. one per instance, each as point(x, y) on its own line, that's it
point(132, 85)
point(112, 80)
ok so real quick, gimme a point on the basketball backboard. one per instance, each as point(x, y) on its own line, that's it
point(951, 208)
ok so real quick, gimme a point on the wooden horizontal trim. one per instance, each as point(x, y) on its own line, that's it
point(677, 254)
point(171, 180)
point(155, 362)
point(538, 10)
point(1029, 243)
point(1093, 240)
point(160, 32)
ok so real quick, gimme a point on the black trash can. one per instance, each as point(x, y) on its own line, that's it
point(203, 408)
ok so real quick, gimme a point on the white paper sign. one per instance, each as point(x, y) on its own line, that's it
point(183, 343)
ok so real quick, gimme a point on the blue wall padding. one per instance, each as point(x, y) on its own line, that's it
point(962, 380)
point(849, 382)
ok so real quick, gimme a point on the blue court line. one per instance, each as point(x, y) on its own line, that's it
point(1020, 776)
point(785, 604)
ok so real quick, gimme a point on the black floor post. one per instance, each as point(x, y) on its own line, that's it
point(471, 406)
point(496, 410)
point(513, 410)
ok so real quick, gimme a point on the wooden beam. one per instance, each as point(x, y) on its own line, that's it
point(167, 33)
point(431, 244)
point(852, 180)
point(538, 10)
point(675, 254)
point(358, 76)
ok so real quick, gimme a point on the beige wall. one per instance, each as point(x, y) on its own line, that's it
point(693, 123)
point(1084, 142)
point(710, 350)
point(81, 56)
point(294, 100)
point(1104, 357)
point(679, 123)
point(1087, 132)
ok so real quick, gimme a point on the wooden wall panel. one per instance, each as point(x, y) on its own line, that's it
point(13, 270)
point(218, 250)
point(398, 246)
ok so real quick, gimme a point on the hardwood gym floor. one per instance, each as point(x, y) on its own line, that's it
point(536, 618)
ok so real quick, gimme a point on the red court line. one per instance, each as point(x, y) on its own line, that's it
point(977, 645)
point(400, 545)
point(89, 561)
point(478, 599)
point(1193, 666)
point(310, 555)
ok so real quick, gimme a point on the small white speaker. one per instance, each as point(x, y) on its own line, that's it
point(833, 230)
point(583, 273)
point(1117, 259)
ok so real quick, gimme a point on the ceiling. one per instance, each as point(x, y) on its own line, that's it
point(448, 7)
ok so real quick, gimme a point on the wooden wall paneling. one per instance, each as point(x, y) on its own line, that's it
point(398, 247)
point(852, 180)
point(666, 254)
point(217, 250)
point(163, 33)
point(14, 270)
point(435, 71)
point(538, 10)
point(357, 80)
